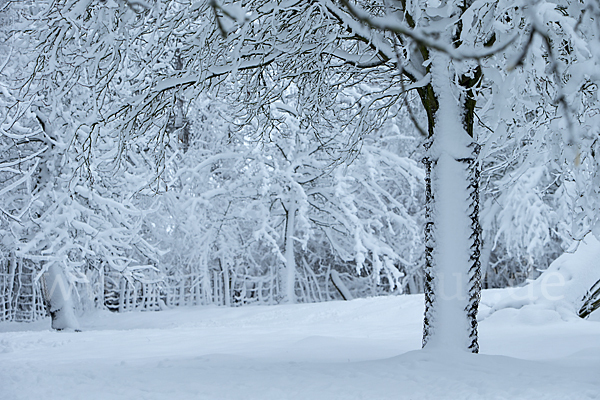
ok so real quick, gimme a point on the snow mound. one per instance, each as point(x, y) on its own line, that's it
point(562, 286)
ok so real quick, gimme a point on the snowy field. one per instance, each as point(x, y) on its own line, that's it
point(362, 349)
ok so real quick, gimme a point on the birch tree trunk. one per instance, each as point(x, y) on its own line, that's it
point(452, 233)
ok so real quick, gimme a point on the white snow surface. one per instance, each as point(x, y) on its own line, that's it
point(360, 349)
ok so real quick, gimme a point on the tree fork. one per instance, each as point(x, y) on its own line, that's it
point(431, 106)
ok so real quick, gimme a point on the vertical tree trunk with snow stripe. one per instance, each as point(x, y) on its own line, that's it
point(289, 275)
point(463, 287)
point(452, 233)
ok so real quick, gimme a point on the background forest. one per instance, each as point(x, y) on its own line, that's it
point(265, 185)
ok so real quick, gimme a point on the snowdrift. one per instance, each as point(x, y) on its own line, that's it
point(562, 287)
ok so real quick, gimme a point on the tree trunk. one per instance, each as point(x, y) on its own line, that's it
point(59, 299)
point(452, 231)
point(290, 257)
point(10, 304)
point(224, 262)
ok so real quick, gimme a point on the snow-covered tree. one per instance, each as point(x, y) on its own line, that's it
point(65, 215)
point(342, 68)
point(272, 213)
point(539, 159)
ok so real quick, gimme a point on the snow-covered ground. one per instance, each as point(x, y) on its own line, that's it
point(361, 349)
point(533, 346)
